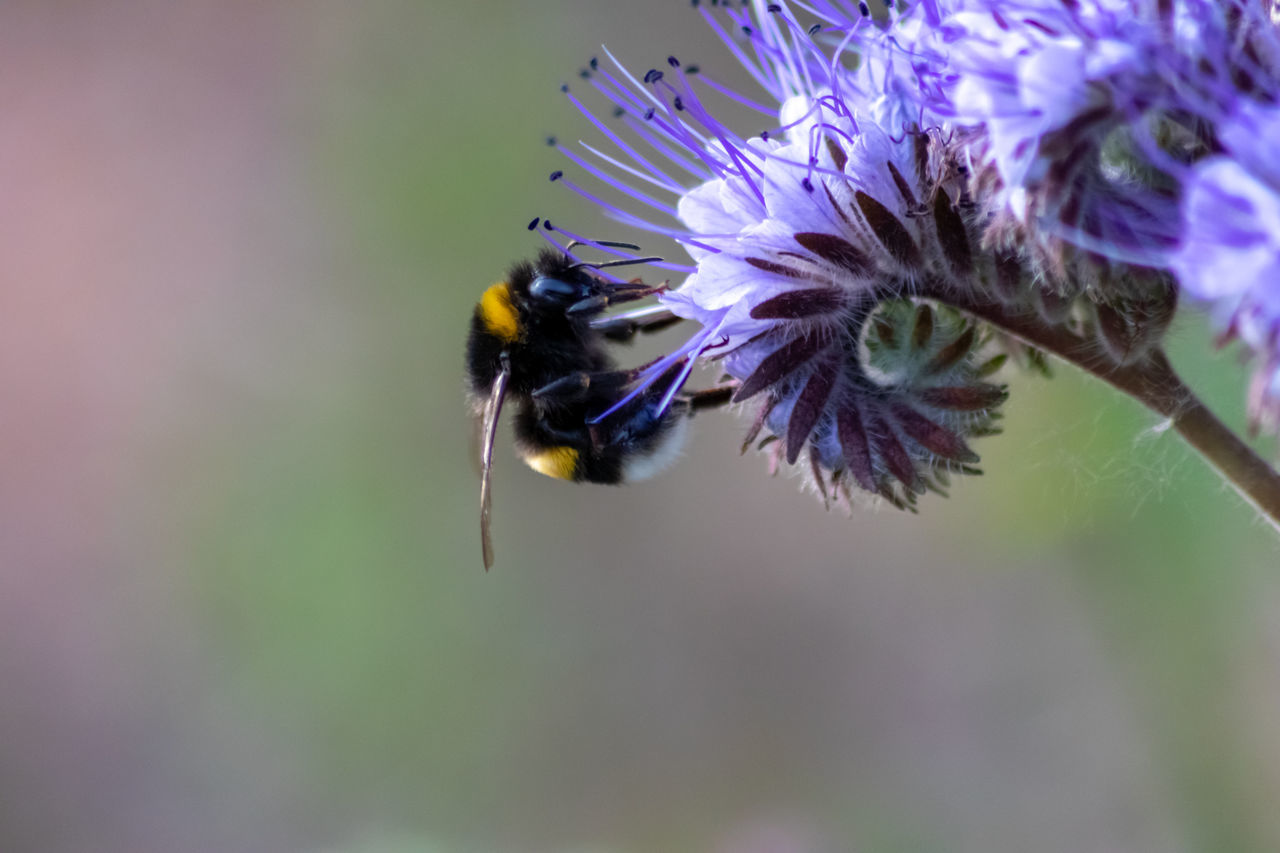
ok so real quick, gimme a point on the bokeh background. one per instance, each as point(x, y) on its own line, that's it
point(241, 601)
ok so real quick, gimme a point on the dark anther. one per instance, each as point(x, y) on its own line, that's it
point(677, 103)
point(648, 114)
point(774, 7)
point(764, 134)
point(564, 87)
point(551, 141)
point(594, 63)
point(556, 175)
point(546, 223)
point(653, 75)
point(807, 184)
point(692, 69)
point(584, 74)
point(815, 29)
point(747, 31)
point(534, 223)
point(619, 112)
point(865, 10)
point(673, 62)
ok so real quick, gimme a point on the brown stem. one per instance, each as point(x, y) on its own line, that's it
point(1152, 382)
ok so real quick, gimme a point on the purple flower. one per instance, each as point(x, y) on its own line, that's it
point(1061, 158)
point(1230, 253)
point(807, 237)
point(1094, 120)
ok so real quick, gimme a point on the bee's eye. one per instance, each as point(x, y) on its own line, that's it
point(556, 291)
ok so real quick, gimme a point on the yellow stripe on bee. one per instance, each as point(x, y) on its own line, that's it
point(558, 462)
point(498, 314)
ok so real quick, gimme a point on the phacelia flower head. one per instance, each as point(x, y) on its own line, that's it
point(1083, 112)
point(808, 235)
point(1130, 130)
point(1051, 157)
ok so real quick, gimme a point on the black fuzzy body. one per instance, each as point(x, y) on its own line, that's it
point(553, 343)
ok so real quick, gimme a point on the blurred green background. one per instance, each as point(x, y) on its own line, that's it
point(241, 601)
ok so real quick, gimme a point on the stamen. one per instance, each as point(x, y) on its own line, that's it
point(735, 96)
point(617, 164)
point(732, 145)
point(641, 129)
point(756, 73)
point(625, 73)
point(662, 178)
point(658, 368)
point(619, 185)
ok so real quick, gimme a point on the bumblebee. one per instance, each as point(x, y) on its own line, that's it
point(540, 339)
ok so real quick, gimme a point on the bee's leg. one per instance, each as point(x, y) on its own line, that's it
point(615, 295)
point(709, 398)
point(620, 262)
point(565, 389)
point(574, 386)
point(538, 431)
point(624, 327)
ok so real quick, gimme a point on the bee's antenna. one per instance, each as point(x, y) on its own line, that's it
point(610, 243)
point(576, 241)
point(621, 262)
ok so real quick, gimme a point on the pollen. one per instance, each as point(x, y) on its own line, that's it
point(498, 314)
point(558, 462)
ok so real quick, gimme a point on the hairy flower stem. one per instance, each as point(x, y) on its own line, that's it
point(1152, 382)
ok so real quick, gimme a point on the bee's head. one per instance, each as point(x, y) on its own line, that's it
point(553, 284)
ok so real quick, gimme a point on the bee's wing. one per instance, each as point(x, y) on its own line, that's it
point(488, 434)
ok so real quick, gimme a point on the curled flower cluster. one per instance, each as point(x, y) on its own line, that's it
point(1139, 132)
point(1086, 161)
